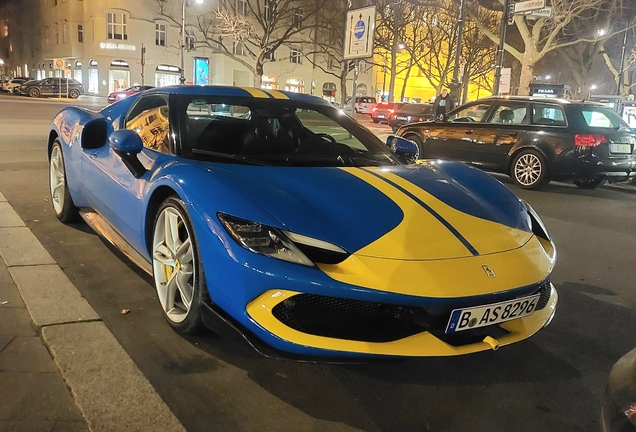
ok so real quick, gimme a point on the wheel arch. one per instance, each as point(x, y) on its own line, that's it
point(538, 148)
point(52, 137)
point(158, 196)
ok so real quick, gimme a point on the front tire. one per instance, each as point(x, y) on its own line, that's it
point(529, 170)
point(73, 94)
point(420, 144)
point(177, 268)
point(34, 92)
point(63, 205)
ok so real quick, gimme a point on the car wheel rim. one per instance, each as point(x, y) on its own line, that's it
point(57, 179)
point(173, 264)
point(528, 169)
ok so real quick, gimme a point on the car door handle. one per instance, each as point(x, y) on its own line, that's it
point(513, 133)
point(468, 131)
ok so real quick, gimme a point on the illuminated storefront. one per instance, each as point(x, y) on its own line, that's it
point(269, 82)
point(167, 75)
point(296, 85)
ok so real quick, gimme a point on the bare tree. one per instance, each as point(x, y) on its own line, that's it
point(546, 34)
point(250, 31)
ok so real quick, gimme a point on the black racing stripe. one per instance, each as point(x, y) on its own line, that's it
point(437, 216)
point(271, 96)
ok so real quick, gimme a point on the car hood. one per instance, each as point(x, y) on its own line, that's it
point(436, 210)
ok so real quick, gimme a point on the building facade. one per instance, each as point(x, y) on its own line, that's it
point(113, 44)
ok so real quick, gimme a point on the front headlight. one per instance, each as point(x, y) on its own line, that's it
point(284, 245)
point(537, 225)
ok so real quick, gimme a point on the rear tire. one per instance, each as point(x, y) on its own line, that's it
point(592, 183)
point(529, 170)
point(177, 268)
point(73, 94)
point(34, 92)
point(63, 205)
point(420, 145)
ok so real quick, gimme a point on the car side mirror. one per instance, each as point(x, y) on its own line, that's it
point(127, 145)
point(405, 149)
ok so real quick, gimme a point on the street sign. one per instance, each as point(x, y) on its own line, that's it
point(529, 6)
point(58, 64)
point(359, 33)
point(541, 13)
point(504, 82)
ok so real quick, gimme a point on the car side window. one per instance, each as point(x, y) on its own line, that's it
point(510, 113)
point(469, 114)
point(548, 115)
point(149, 117)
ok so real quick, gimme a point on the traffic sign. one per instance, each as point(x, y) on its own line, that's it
point(58, 64)
point(541, 13)
point(359, 33)
point(529, 6)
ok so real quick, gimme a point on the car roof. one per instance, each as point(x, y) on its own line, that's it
point(559, 101)
point(230, 91)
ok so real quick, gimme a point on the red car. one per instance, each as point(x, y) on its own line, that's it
point(382, 111)
point(119, 95)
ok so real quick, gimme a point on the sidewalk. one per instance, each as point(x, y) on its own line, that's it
point(61, 369)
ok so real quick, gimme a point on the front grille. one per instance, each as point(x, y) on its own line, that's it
point(366, 321)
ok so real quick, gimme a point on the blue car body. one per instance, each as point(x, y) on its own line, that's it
point(418, 235)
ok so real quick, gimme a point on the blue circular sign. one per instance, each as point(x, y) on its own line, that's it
point(358, 31)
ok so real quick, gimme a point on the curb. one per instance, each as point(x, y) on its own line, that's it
point(108, 388)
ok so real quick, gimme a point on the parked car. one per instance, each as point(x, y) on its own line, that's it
point(382, 111)
point(119, 95)
point(619, 406)
point(534, 140)
point(290, 223)
point(9, 85)
point(51, 87)
point(364, 104)
point(411, 113)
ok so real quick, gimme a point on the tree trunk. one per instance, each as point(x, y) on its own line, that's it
point(397, 13)
point(258, 72)
point(406, 79)
point(527, 70)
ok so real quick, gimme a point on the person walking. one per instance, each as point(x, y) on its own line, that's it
point(443, 104)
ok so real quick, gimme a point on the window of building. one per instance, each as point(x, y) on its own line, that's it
point(54, 2)
point(238, 48)
point(270, 55)
point(116, 26)
point(191, 40)
point(80, 33)
point(295, 55)
point(56, 35)
point(160, 34)
point(64, 32)
point(331, 63)
point(240, 7)
point(297, 17)
point(267, 12)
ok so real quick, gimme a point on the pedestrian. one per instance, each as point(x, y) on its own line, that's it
point(443, 104)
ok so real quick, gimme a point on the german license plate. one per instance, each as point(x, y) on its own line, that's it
point(621, 148)
point(401, 118)
point(380, 116)
point(480, 316)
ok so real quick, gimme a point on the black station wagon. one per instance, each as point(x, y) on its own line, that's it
point(534, 140)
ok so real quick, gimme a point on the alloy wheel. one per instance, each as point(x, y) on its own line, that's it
point(528, 169)
point(173, 264)
point(57, 179)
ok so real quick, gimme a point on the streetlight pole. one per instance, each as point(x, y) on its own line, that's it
point(183, 39)
point(455, 85)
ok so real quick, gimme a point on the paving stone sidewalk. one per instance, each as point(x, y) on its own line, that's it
point(33, 394)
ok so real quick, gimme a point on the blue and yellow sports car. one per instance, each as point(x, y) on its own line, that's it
point(279, 217)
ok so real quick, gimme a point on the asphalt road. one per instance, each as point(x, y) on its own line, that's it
point(551, 382)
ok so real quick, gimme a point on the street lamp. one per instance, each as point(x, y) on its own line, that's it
point(183, 39)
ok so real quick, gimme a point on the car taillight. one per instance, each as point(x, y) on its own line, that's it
point(589, 140)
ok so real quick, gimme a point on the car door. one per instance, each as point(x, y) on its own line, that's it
point(47, 86)
point(110, 187)
point(504, 126)
point(448, 140)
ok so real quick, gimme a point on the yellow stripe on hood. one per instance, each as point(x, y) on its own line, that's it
point(419, 235)
point(485, 236)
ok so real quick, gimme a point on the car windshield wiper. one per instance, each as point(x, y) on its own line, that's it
point(242, 159)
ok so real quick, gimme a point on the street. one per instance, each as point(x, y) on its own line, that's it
point(554, 381)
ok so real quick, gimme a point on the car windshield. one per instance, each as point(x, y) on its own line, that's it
point(276, 132)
